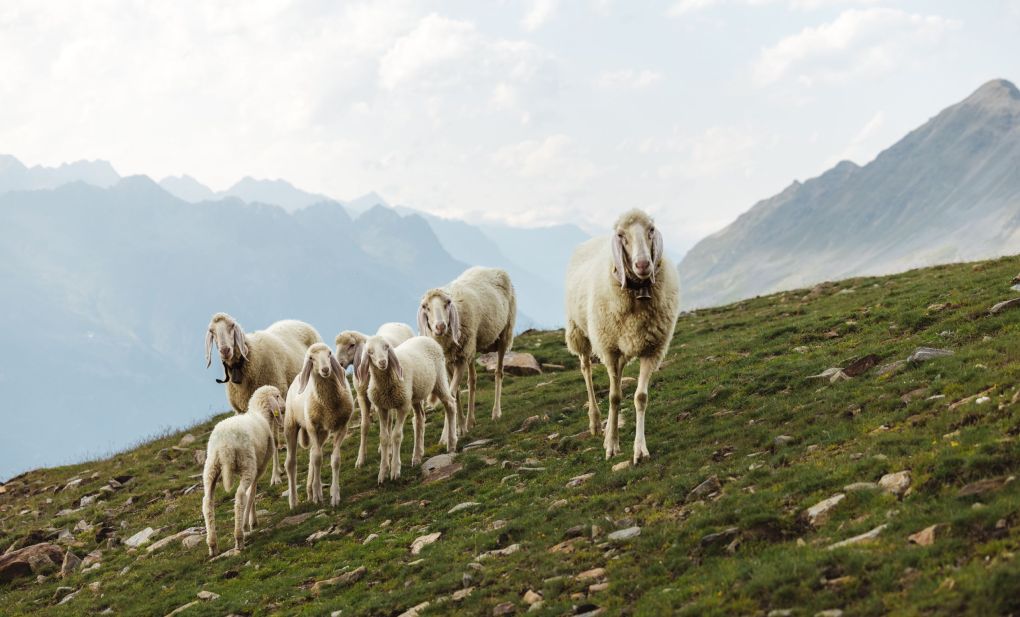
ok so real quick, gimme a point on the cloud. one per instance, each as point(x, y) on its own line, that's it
point(861, 148)
point(540, 12)
point(434, 41)
point(858, 42)
point(627, 79)
point(685, 7)
point(555, 158)
point(716, 151)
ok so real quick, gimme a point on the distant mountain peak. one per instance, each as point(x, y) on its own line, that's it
point(995, 93)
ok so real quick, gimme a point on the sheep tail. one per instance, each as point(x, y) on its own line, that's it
point(225, 468)
point(302, 438)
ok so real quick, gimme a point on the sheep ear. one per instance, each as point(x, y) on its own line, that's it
point(338, 372)
point(359, 350)
point(208, 348)
point(423, 321)
point(656, 251)
point(618, 253)
point(274, 408)
point(239, 342)
point(394, 363)
point(360, 363)
point(454, 317)
point(306, 374)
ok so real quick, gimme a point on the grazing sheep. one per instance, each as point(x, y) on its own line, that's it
point(474, 313)
point(402, 377)
point(347, 343)
point(241, 445)
point(622, 299)
point(270, 357)
point(313, 415)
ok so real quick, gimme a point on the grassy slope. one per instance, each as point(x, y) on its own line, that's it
point(731, 383)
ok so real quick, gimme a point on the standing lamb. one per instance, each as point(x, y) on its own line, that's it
point(267, 357)
point(241, 445)
point(347, 343)
point(313, 415)
point(622, 300)
point(474, 313)
point(402, 377)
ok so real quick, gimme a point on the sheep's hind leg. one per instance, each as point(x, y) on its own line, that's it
point(290, 434)
point(209, 510)
point(313, 486)
point(594, 417)
point(365, 416)
point(418, 420)
point(384, 443)
point(614, 366)
point(240, 510)
point(640, 404)
point(334, 464)
point(396, 440)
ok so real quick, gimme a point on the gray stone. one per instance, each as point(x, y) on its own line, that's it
point(140, 538)
point(463, 506)
point(862, 538)
point(923, 354)
point(625, 534)
point(819, 513)
point(706, 488)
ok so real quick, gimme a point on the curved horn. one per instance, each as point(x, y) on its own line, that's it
point(618, 259)
point(226, 374)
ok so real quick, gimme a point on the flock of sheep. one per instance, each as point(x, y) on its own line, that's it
point(622, 302)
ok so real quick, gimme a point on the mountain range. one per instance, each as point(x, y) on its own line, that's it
point(948, 191)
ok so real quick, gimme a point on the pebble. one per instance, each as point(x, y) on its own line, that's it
point(207, 595)
point(621, 466)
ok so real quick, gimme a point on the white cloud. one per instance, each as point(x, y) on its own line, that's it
point(685, 7)
point(434, 41)
point(539, 12)
point(717, 150)
point(556, 158)
point(627, 79)
point(858, 42)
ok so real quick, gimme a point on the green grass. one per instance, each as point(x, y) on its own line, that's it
point(734, 379)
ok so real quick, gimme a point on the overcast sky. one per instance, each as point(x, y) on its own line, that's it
point(530, 112)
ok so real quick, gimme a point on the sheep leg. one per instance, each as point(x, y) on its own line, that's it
point(472, 389)
point(497, 410)
point(240, 510)
point(396, 439)
point(464, 422)
point(250, 518)
point(363, 446)
point(275, 455)
point(418, 420)
point(290, 434)
point(384, 443)
point(594, 418)
point(334, 464)
point(450, 406)
point(640, 404)
point(612, 437)
point(313, 485)
point(208, 508)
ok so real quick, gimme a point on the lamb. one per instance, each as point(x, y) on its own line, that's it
point(347, 343)
point(313, 415)
point(474, 313)
point(622, 302)
point(241, 445)
point(267, 357)
point(402, 377)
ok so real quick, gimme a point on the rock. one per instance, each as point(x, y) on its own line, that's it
point(528, 423)
point(923, 354)
point(369, 538)
point(722, 537)
point(624, 534)
point(925, 537)
point(460, 594)
point(706, 488)
point(981, 400)
point(182, 608)
point(597, 587)
point(423, 541)
point(72, 483)
point(233, 552)
point(346, 578)
point(69, 597)
point(82, 526)
point(463, 506)
point(579, 480)
point(70, 565)
point(861, 365)
point(895, 483)
point(502, 552)
point(783, 440)
point(531, 597)
point(140, 538)
point(207, 595)
point(817, 514)
point(92, 558)
point(863, 538)
point(190, 542)
point(891, 368)
point(479, 443)
point(504, 608)
point(190, 531)
point(88, 500)
point(296, 519)
point(439, 467)
point(318, 535)
point(780, 612)
point(591, 575)
point(827, 373)
point(1004, 305)
point(414, 611)
point(830, 612)
point(861, 486)
point(36, 559)
point(559, 503)
point(567, 546)
point(186, 440)
point(983, 487)
point(621, 466)
point(514, 363)
point(200, 457)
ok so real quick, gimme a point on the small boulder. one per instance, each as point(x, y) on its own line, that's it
point(579, 480)
point(817, 514)
point(463, 506)
point(344, 579)
point(36, 559)
point(423, 541)
point(895, 483)
point(71, 564)
point(924, 354)
point(925, 537)
point(706, 488)
point(514, 363)
point(140, 538)
point(861, 539)
point(624, 534)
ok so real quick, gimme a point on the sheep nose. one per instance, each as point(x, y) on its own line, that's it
point(643, 266)
point(226, 352)
point(440, 328)
point(324, 373)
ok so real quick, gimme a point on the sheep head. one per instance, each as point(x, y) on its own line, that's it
point(347, 343)
point(438, 316)
point(269, 401)
point(380, 354)
point(320, 359)
point(637, 247)
point(228, 336)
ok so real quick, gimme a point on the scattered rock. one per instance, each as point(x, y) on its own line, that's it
point(504, 608)
point(514, 363)
point(895, 483)
point(861, 365)
point(706, 488)
point(460, 594)
point(923, 354)
point(559, 503)
point(439, 467)
point(621, 465)
point(624, 534)
point(780, 612)
point(783, 440)
point(925, 537)
point(890, 369)
point(36, 559)
point(817, 514)
point(346, 578)
point(88, 500)
point(1004, 305)
point(208, 595)
point(369, 538)
point(414, 611)
point(92, 559)
point(318, 535)
point(861, 486)
point(423, 541)
point(190, 542)
point(983, 487)
point(502, 552)
point(70, 565)
point(579, 480)
point(186, 440)
point(190, 531)
point(529, 422)
point(594, 574)
point(140, 538)
point(861, 539)
point(477, 444)
point(182, 608)
point(722, 537)
point(532, 597)
point(830, 612)
point(296, 519)
point(69, 597)
point(463, 506)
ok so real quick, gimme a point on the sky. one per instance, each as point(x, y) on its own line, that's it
point(528, 112)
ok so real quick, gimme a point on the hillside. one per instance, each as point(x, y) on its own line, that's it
point(743, 442)
point(948, 191)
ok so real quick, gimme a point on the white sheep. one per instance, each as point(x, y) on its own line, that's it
point(347, 343)
point(402, 377)
point(622, 301)
point(313, 415)
point(270, 357)
point(473, 313)
point(241, 445)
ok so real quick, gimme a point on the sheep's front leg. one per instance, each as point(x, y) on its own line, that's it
point(250, 518)
point(334, 465)
point(240, 510)
point(614, 366)
point(364, 408)
point(463, 424)
point(472, 389)
point(594, 417)
point(418, 420)
point(209, 511)
point(648, 366)
point(275, 455)
point(384, 443)
point(313, 486)
point(450, 407)
point(290, 434)
point(397, 439)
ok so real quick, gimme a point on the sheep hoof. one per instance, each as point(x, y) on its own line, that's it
point(415, 460)
point(358, 464)
point(275, 480)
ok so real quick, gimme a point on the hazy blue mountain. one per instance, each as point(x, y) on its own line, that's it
point(277, 192)
point(15, 176)
point(359, 205)
point(187, 188)
point(108, 291)
point(948, 191)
